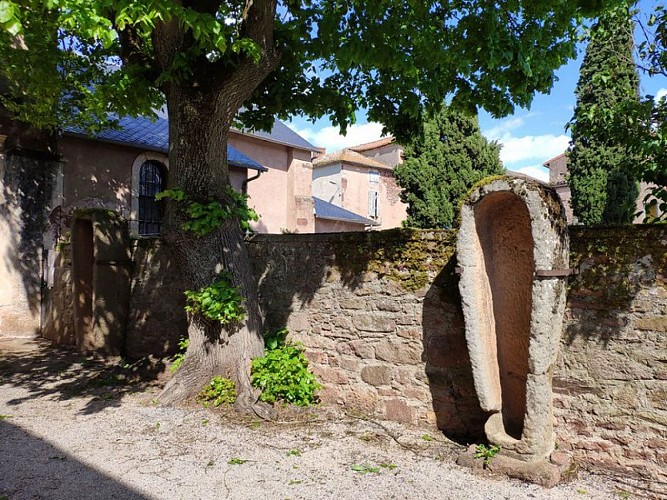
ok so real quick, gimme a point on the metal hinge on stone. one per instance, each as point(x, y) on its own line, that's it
point(542, 273)
point(556, 273)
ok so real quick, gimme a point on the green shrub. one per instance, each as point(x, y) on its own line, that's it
point(219, 391)
point(486, 452)
point(220, 301)
point(282, 373)
point(178, 358)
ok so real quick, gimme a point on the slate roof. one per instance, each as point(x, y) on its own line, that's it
point(143, 133)
point(326, 210)
point(282, 134)
point(347, 156)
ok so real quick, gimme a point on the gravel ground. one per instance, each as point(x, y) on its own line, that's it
point(71, 428)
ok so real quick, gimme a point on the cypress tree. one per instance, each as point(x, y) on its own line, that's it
point(604, 190)
point(441, 165)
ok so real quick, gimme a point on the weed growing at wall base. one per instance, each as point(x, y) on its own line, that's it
point(219, 391)
point(486, 452)
point(282, 373)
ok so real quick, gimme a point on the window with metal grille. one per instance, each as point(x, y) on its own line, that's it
point(151, 182)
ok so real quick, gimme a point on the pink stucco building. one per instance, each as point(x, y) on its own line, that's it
point(360, 179)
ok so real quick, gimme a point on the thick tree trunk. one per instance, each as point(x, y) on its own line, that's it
point(202, 107)
point(199, 123)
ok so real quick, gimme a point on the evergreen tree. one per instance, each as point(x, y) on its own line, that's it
point(441, 165)
point(604, 190)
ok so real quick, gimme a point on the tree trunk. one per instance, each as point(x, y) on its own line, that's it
point(199, 123)
point(202, 107)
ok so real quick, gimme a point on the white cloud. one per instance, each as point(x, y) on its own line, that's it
point(660, 93)
point(504, 128)
point(330, 138)
point(519, 149)
point(537, 171)
point(531, 147)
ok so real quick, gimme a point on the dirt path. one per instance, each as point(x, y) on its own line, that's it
point(71, 428)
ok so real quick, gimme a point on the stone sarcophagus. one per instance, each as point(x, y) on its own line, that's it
point(513, 252)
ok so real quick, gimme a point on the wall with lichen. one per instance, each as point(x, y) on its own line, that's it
point(380, 316)
point(611, 382)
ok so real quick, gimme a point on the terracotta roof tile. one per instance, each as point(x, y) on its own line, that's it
point(374, 144)
point(347, 156)
point(554, 159)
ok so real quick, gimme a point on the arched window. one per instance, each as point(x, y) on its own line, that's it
point(151, 181)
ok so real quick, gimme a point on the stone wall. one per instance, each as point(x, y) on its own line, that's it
point(611, 381)
point(157, 319)
point(27, 195)
point(380, 316)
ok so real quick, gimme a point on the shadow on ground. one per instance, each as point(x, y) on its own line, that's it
point(64, 374)
point(32, 468)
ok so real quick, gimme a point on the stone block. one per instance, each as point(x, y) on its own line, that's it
point(354, 304)
point(409, 332)
point(398, 353)
point(342, 322)
point(398, 410)
point(542, 473)
point(372, 323)
point(362, 349)
point(351, 365)
point(328, 375)
point(365, 400)
point(388, 305)
point(418, 394)
point(317, 357)
point(654, 323)
point(298, 322)
point(376, 375)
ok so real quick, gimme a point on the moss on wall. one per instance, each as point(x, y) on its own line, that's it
point(409, 257)
point(614, 261)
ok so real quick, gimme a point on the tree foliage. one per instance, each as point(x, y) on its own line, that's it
point(84, 62)
point(441, 165)
point(642, 125)
point(602, 168)
point(76, 60)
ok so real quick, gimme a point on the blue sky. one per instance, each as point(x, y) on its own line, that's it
point(529, 137)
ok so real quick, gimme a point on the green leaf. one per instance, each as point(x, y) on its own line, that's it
point(236, 461)
point(7, 10)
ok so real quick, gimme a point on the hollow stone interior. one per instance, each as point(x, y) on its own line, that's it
point(504, 231)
